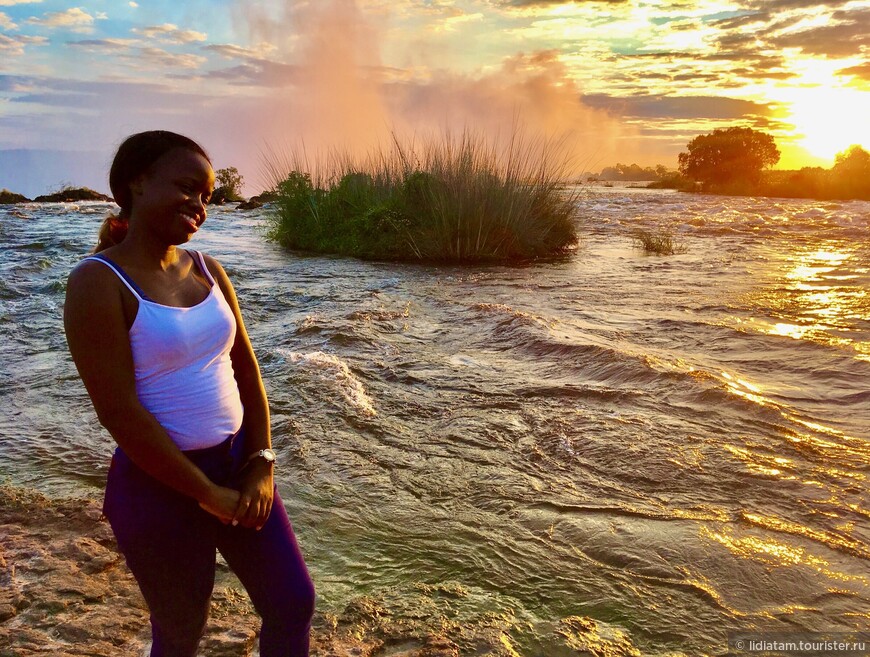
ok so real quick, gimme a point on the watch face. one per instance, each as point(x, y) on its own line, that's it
point(269, 455)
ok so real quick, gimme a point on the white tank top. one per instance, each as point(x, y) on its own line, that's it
point(184, 376)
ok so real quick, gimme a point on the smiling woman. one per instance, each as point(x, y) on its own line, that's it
point(158, 339)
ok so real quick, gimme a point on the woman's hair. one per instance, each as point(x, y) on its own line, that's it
point(134, 158)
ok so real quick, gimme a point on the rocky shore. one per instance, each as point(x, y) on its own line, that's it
point(65, 590)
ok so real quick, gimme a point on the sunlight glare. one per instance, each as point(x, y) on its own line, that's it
point(828, 120)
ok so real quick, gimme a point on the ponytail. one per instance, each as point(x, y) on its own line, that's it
point(112, 231)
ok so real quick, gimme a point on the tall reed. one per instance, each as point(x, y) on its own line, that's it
point(455, 199)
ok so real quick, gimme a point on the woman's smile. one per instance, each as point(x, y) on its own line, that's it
point(194, 221)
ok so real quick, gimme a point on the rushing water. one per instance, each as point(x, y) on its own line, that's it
point(673, 446)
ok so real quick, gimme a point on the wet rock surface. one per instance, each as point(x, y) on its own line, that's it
point(65, 590)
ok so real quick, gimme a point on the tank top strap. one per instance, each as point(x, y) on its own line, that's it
point(125, 278)
point(200, 262)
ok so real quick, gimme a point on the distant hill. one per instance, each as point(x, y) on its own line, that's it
point(34, 172)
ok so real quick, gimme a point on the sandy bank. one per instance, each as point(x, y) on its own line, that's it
point(65, 590)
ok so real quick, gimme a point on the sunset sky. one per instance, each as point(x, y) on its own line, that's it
point(619, 81)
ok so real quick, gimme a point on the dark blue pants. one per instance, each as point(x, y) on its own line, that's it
point(169, 543)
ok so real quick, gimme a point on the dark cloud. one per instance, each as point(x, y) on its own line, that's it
point(94, 96)
point(772, 7)
point(737, 41)
point(550, 3)
point(683, 107)
point(695, 77)
point(97, 45)
point(668, 55)
point(862, 71)
point(761, 74)
point(737, 22)
point(845, 38)
point(15, 82)
point(685, 26)
point(829, 41)
point(259, 73)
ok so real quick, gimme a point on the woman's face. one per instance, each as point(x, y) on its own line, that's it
point(171, 198)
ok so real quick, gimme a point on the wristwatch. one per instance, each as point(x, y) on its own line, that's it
point(267, 454)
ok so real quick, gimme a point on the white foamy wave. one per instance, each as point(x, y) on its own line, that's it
point(336, 371)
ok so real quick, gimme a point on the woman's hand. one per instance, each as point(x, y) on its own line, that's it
point(222, 503)
point(256, 489)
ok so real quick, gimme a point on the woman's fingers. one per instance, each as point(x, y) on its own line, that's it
point(241, 514)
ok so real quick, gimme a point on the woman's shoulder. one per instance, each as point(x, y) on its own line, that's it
point(93, 281)
point(92, 268)
point(213, 265)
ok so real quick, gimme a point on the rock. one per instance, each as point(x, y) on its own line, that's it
point(219, 196)
point(8, 198)
point(65, 590)
point(259, 200)
point(72, 195)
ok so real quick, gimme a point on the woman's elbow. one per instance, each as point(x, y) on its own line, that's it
point(117, 415)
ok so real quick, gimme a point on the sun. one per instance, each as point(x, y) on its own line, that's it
point(827, 116)
point(829, 121)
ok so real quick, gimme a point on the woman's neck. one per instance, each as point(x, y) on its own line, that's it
point(146, 251)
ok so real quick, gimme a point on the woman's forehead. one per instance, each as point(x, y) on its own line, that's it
point(183, 161)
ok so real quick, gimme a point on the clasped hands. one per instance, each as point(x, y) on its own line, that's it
point(247, 505)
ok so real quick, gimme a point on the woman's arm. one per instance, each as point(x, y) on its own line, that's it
point(98, 340)
point(256, 486)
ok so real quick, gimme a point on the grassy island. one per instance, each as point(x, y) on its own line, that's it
point(456, 200)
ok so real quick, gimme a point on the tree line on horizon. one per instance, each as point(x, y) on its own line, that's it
point(739, 160)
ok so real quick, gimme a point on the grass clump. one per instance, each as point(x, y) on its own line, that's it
point(659, 243)
point(455, 200)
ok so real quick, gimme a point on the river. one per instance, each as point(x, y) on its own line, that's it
point(629, 452)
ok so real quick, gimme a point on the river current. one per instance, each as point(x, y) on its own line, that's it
point(628, 453)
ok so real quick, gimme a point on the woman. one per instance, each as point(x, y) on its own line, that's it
point(156, 334)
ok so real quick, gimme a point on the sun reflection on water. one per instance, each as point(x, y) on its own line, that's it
point(821, 297)
point(779, 553)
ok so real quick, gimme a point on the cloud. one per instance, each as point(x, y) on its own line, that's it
point(134, 56)
point(551, 3)
point(74, 18)
point(679, 107)
point(13, 46)
point(102, 45)
point(171, 34)
point(232, 51)
point(862, 71)
point(172, 60)
point(849, 36)
point(133, 4)
point(96, 97)
point(9, 3)
point(260, 73)
point(6, 22)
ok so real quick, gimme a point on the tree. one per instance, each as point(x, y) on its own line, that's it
point(728, 155)
point(854, 161)
point(229, 185)
point(851, 173)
